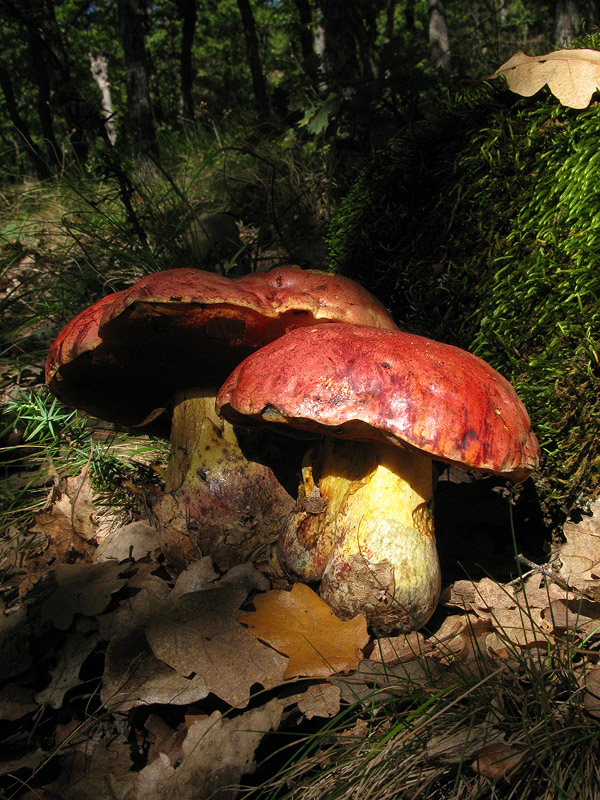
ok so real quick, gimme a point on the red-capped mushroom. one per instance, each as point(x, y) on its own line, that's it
point(167, 343)
point(388, 404)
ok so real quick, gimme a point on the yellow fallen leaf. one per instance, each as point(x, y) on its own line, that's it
point(303, 627)
point(572, 75)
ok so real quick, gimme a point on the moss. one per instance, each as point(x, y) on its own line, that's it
point(480, 226)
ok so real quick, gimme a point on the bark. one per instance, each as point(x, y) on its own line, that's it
point(571, 17)
point(43, 96)
point(99, 66)
point(439, 41)
point(188, 13)
point(335, 43)
point(40, 166)
point(409, 15)
point(305, 16)
point(131, 21)
point(390, 10)
point(78, 115)
point(259, 85)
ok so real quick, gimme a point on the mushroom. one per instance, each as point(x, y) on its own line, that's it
point(386, 403)
point(163, 347)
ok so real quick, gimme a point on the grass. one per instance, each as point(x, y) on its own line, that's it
point(515, 727)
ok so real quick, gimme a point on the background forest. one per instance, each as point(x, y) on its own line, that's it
point(365, 137)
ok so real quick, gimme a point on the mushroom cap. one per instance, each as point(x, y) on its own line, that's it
point(124, 357)
point(366, 384)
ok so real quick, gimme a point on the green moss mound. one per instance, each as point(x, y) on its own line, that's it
point(480, 226)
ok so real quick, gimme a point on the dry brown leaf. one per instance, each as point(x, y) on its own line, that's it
point(15, 655)
point(16, 701)
point(572, 75)
point(376, 682)
point(580, 554)
point(496, 760)
point(134, 611)
point(397, 649)
point(197, 576)
point(591, 698)
point(136, 540)
point(537, 591)
point(320, 700)
point(80, 508)
point(563, 618)
point(455, 638)
point(65, 674)
point(216, 753)
point(98, 767)
point(198, 633)
point(134, 676)
point(81, 589)
point(301, 625)
point(522, 628)
point(463, 743)
point(479, 596)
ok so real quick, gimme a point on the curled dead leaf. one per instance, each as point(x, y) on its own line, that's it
point(572, 75)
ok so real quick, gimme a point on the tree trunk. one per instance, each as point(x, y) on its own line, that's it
point(335, 43)
point(187, 9)
point(258, 81)
point(439, 41)
point(39, 16)
point(569, 16)
point(131, 21)
point(44, 107)
point(309, 57)
point(99, 66)
point(40, 166)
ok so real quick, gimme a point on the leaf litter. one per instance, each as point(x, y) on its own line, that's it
point(196, 668)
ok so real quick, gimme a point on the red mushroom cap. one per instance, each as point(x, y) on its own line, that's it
point(377, 385)
point(125, 356)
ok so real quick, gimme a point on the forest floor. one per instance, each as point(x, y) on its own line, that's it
point(123, 677)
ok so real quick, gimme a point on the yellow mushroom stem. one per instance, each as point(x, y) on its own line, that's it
point(194, 425)
point(363, 526)
point(216, 502)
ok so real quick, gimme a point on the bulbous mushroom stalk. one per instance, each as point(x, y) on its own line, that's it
point(392, 402)
point(367, 533)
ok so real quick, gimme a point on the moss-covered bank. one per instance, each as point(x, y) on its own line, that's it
point(480, 226)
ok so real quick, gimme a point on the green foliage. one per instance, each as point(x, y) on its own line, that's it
point(57, 441)
point(480, 227)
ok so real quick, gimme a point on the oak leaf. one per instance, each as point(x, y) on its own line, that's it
point(572, 75)
point(198, 634)
point(301, 625)
point(81, 589)
point(65, 675)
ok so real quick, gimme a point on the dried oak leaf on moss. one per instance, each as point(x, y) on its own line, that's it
point(572, 75)
point(301, 625)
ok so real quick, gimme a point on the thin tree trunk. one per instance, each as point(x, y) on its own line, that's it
point(568, 15)
point(309, 59)
point(44, 107)
point(99, 66)
point(335, 42)
point(259, 85)
point(439, 41)
point(187, 9)
point(131, 19)
point(40, 166)
point(66, 93)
